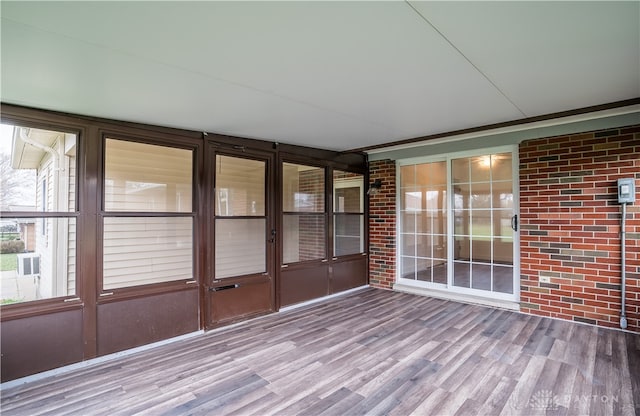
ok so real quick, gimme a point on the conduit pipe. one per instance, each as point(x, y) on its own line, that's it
point(623, 283)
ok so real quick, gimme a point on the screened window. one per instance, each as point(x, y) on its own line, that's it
point(304, 219)
point(348, 213)
point(240, 224)
point(138, 248)
point(37, 214)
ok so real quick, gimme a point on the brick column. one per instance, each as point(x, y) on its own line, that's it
point(382, 225)
point(570, 226)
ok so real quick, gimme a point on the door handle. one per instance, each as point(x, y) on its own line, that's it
point(273, 236)
point(514, 222)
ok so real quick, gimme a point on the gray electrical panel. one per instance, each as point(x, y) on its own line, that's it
point(626, 191)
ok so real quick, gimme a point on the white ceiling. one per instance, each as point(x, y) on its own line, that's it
point(336, 75)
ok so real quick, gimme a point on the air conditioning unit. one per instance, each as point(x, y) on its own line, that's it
point(28, 265)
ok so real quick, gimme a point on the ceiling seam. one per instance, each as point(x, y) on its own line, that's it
point(485, 76)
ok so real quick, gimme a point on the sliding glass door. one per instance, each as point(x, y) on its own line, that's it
point(457, 222)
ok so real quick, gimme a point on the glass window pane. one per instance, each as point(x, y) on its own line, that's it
point(460, 170)
point(424, 269)
point(440, 246)
point(147, 178)
point(481, 276)
point(502, 195)
point(435, 197)
point(502, 223)
point(240, 186)
point(503, 251)
point(462, 195)
point(481, 195)
point(408, 222)
point(304, 238)
point(411, 199)
point(481, 223)
point(240, 247)
point(481, 250)
point(408, 270)
point(462, 221)
point(145, 250)
point(38, 260)
point(303, 188)
point(501, 167)
point(424, 245)
point(461, 274)
point(348, 232)
point(461, 248)
point(348, 192)
point(407, 176)
point(480, 168)
point(503, 279)
point(38, 170)
point(439, 173)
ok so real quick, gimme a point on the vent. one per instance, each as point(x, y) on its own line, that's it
point(28, 265)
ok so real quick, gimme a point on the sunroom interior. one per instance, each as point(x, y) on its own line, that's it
point(183, 172)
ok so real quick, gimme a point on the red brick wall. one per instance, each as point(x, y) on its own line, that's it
point(312, 227)
point(382, 225)
point(570, 226)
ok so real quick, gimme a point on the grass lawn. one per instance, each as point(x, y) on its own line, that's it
point(8, 262)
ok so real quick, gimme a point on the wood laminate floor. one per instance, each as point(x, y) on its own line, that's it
point(370, 352)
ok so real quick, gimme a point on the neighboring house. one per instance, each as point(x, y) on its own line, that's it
point(52, 155)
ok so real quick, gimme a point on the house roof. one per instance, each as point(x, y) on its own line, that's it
point(336, 75)
point(26, 156)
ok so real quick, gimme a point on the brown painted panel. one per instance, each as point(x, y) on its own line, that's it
point(303, 283)
point(349, 274)
point(133, 322)
point(40, 343)
point(234, 302)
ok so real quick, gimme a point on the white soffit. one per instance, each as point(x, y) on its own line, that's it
point(336, 75)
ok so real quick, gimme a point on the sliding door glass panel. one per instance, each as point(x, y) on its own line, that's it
point(423, 216)
point(240, 185)
point(240, 247)
point(146, 250)
point(483, 204)
point(147, 178)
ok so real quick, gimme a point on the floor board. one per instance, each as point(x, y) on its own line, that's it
point(371, 352)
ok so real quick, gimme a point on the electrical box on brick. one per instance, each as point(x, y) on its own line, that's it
point(626, 190)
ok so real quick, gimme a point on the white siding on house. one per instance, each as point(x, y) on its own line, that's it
point(147, 178)
point(71, 253)
point(145, 250)
point(240, 247)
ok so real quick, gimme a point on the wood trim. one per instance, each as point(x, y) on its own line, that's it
point(521, 121)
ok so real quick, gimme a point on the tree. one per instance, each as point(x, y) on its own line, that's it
point(17, 186)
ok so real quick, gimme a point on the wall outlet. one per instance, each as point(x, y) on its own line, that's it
point(544, 279)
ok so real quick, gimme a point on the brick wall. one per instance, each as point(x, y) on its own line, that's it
point(312, 227)
point(570, 226)
point(382, 225)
